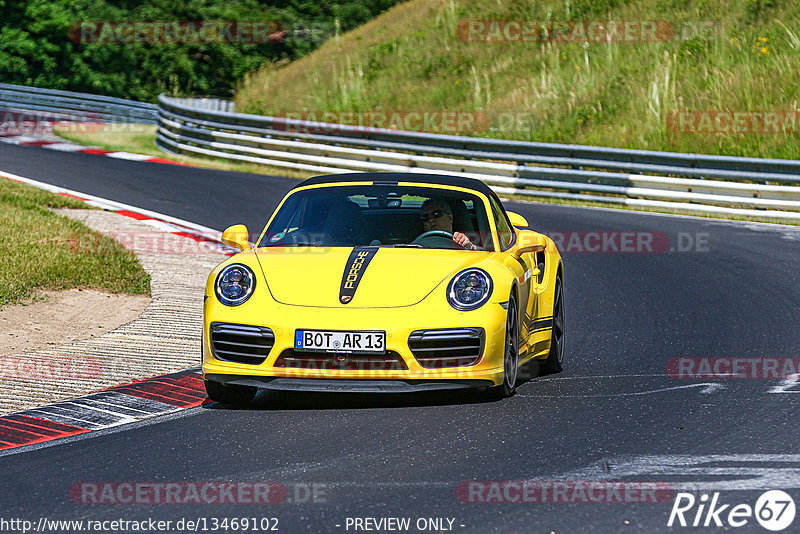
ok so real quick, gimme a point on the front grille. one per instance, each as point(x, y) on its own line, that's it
point(447, 347)
point(241, 343)
point(390, 361)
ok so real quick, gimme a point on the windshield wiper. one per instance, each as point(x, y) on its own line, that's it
point(407, 245)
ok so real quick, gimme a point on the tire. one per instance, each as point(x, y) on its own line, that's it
point(229, 394)
point(555, 359)
point(510, 355)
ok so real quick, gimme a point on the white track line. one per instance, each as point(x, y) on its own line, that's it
point(113, 205)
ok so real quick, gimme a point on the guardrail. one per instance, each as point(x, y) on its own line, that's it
point(55, 105)
point(683, 183)
point(210, 104)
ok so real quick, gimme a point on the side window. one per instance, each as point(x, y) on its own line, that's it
point(505, 233)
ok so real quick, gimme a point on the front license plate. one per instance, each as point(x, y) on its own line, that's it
point(327, 341)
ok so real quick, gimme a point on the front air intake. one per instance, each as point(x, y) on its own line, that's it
point(447, 347)
point(241, 343)
point(390, 361)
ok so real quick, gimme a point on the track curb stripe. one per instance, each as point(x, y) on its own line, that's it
point(41, 430)
point(25, 140)
point(165, 223)
point(184, 392)
point(107, 408)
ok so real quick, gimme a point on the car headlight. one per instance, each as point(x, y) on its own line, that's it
point(234, 285)
point(469, 289)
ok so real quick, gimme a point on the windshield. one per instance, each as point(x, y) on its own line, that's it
point(382, 216)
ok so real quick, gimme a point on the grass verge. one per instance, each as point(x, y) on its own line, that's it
point(140, 139)
point(41, 250)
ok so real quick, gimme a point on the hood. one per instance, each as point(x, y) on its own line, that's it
point(378, 277)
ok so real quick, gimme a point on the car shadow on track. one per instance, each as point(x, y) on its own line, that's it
point(290, 400)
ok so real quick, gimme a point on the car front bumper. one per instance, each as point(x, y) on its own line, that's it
point(398, 323)
point(344, 385)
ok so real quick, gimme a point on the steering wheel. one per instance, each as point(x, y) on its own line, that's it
point(436, 233)
point(437, 236)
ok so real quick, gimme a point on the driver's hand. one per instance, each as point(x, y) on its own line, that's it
point(463, 240)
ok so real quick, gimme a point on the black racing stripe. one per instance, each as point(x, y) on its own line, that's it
point(353, 272)
point(542, 324)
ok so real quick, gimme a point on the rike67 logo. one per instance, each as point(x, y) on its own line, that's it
point(774, 510)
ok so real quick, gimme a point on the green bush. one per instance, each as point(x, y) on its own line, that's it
point(36, 49)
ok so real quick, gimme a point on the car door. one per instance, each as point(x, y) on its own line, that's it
point(523, 268)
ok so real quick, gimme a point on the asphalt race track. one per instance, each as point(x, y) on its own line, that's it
point(706, 289)
point(203, 196)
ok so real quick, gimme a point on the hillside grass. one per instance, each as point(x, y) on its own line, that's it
point(736, 55)
point(40, 250)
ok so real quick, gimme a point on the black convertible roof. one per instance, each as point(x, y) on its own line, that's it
point(393, 177)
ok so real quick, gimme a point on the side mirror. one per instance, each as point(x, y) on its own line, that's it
point(517, 220)
point(530, 241)
point(236, 236)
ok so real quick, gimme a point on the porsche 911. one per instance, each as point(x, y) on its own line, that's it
point(383, 282)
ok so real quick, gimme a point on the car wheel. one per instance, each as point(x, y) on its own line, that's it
point(555, 359)
point(229, 394)
point(511, 354)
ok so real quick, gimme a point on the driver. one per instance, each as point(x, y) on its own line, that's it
point(437, 215)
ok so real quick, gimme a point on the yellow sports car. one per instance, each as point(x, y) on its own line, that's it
point(381, 282)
